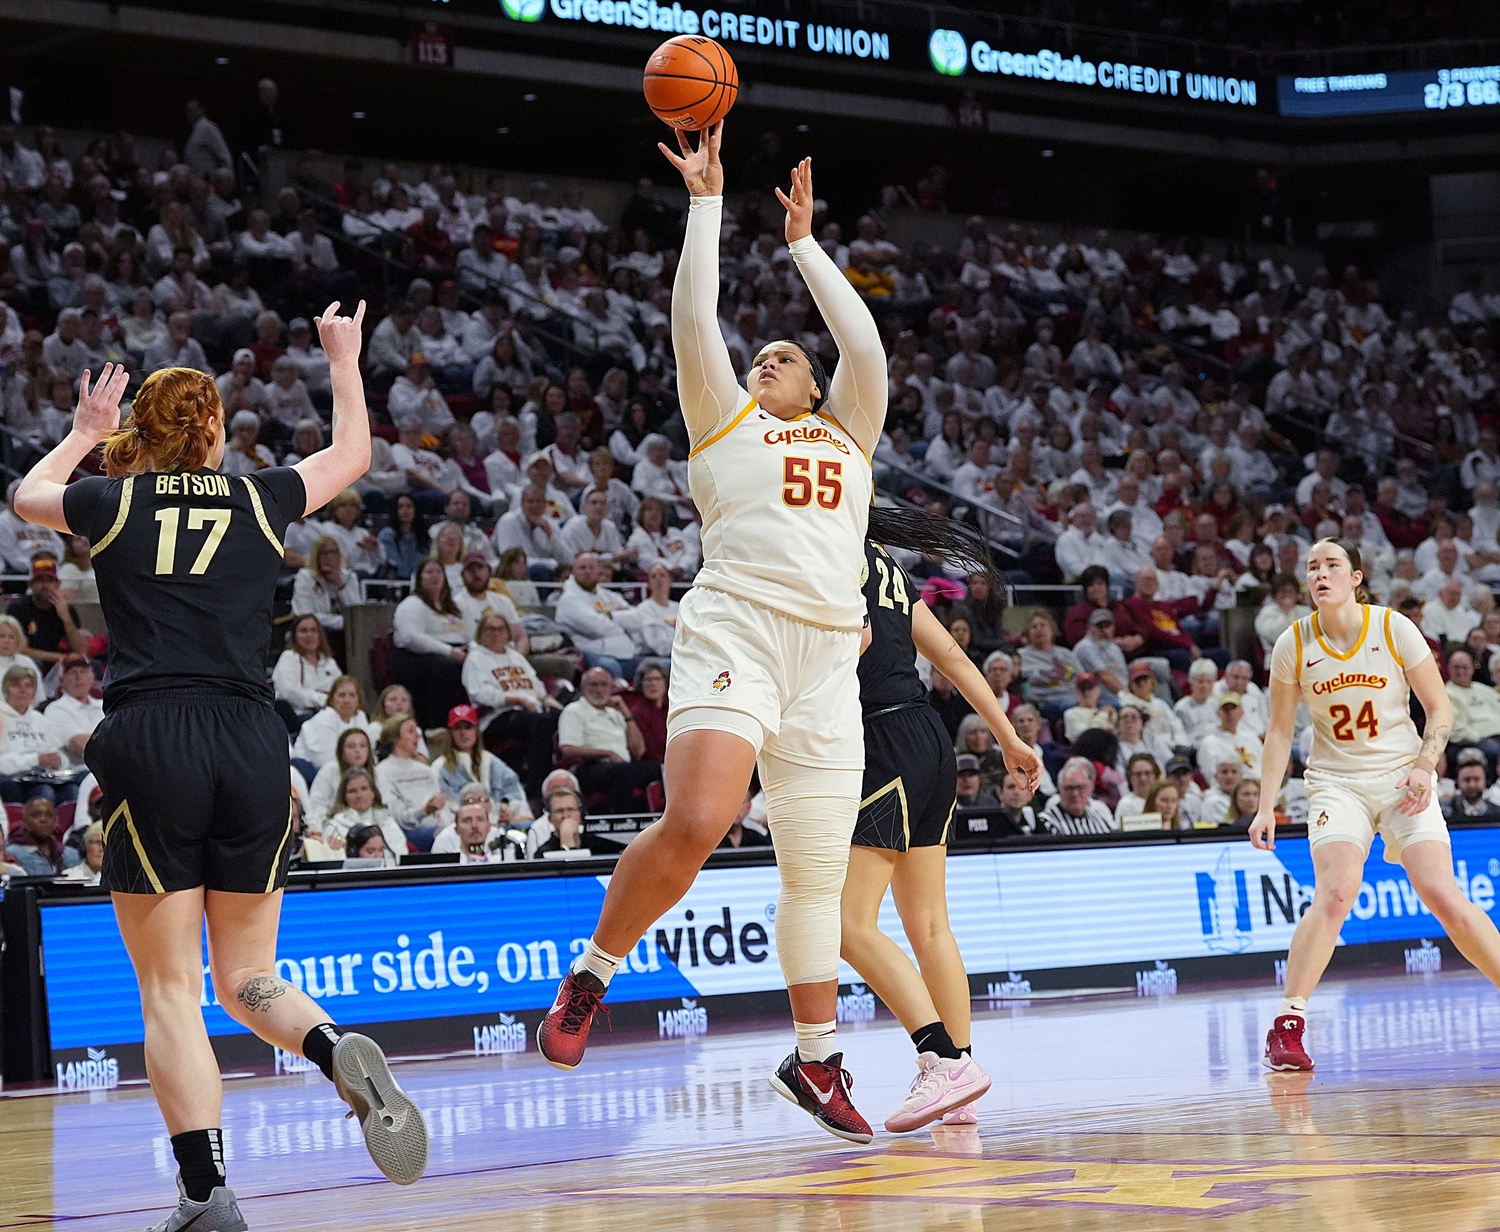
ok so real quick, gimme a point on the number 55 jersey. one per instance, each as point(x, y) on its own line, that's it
point(1359, 701)
point(187, 565)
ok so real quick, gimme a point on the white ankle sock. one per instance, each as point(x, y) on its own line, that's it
point(816, 1041)
point(1296, 1006)
point(597, 963)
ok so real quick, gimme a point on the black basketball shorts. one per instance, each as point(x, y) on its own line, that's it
point(197, 792)
point(910, 781)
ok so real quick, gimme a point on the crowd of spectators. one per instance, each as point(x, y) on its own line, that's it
point(1149, 433)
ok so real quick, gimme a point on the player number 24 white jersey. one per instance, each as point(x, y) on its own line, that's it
point(1359, 701)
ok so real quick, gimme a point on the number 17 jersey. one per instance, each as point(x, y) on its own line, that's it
point(187, 565)
point(1360, 701)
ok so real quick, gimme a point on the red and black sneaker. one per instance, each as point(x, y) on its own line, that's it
point(1284, 1048)
point(564, 1032)
point(821, 1088)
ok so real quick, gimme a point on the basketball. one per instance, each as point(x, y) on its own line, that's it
point(691, 82)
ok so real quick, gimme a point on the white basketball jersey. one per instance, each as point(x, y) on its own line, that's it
point(785, 504)
point(1359, 701)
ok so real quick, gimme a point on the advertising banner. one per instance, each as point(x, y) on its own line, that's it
point(492, 949)
point(1459, 90)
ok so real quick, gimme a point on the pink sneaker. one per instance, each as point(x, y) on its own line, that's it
point(940, 1086)
point(961, 1116)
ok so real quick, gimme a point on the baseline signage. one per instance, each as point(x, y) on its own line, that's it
point(1445, 89)
point(496, 948)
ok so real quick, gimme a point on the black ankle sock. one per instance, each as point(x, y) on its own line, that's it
point(934, 1038)
point(200, 1159)
point(317, 1047)
point(965, 1050)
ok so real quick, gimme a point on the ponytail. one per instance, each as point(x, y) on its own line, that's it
point(173, 425)
point(936, 535)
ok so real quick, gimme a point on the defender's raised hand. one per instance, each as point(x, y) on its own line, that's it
point(799, 206)
point(341, 336)
point(701, 170)
point(98, 412)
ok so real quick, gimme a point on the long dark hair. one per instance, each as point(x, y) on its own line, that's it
point(1351, 549)
point(936, 535)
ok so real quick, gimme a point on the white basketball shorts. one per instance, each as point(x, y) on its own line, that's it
point(790, 688)
point(1341, 808)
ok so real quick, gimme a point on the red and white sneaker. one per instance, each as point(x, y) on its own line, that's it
point(940, 1086)
point(1284, 1047)
point(821, 1088)
point(564, 1032)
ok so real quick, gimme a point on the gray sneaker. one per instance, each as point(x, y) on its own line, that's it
point(393, 1127)
point(221, 1213)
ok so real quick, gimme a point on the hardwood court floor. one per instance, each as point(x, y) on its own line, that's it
point(1108, 1113)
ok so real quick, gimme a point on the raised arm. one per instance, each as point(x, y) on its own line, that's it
point(937, 646)
point(859, 389)
point(39, 499)
point(706, 385)
point(329, 471)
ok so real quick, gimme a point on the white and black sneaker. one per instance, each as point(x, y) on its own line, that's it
point(221, 1213)
point(394, 1130)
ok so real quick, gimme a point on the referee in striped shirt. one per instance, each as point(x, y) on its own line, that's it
point(1074, 810)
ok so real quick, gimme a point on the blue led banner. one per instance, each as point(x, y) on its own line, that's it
point(494, 947)
point(1457, 90)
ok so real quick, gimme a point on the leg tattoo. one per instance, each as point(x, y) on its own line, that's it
point(259, 991)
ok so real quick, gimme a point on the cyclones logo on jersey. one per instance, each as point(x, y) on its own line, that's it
point(805, 436)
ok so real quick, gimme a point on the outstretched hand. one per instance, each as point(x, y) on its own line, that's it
point(98, 412)
point(701, 170)
point(799, 206)
point(341, 336)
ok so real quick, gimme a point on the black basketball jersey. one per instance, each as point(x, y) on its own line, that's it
point(888, 669)
point(187, 566)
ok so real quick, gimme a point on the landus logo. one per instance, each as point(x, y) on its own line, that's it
point(1160, 981)
point(684, 1023)
point(1426, 959)
point(291, 1063)
point(1014, 985)
point(99, 1072)
point(504, 1038)
point(858, 1006)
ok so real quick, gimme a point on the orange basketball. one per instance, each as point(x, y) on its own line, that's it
point(691, 82)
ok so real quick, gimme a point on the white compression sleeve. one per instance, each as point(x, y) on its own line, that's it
point(706, 383)
point(860, 388)
point(812, 814)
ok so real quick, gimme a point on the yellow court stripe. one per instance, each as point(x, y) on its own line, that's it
point(724, 431)
point(1390, 645)
point(1364, 628)
point(125, 492)
point(260, 516)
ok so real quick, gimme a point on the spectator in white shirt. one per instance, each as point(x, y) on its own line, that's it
point(594, 532)
point(408, 785)
point(1121, 555)
point(657, 475)
point(306, 669)
point(312, 364)
point(1325, 470)
point(393, 341)
point(653, 621)
point(431, 643)
point(1482, 465)
point(600, 734)
point(529, 527)
point(678, 548)
point(1080, 545)
point(431, 477)
point(343, 709)
point(1450, 567)
point(595, 619)
point(1198, 712)
point(72, 717)
point(1449, 616)
point(1230, 740)
point(1476, 707)
point(286, 396)
point(1239, 678)
point(178, 350)
point(244, 454)
point(326, 586)
point(1145, 522)
point(415, 399)
point(474, 599)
